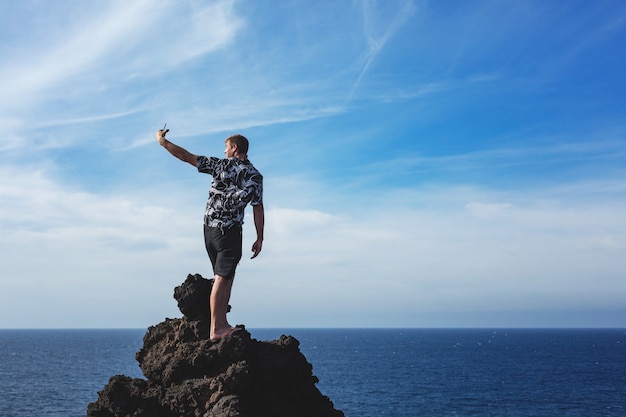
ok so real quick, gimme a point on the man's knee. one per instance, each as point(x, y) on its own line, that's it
point(224, 278)
point(222, 284)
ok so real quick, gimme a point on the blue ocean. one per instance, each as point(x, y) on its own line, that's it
point(365, 372)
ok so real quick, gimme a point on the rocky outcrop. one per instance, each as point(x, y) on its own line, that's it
point(188, 375)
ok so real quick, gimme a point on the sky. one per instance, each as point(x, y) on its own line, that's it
point(426, 164)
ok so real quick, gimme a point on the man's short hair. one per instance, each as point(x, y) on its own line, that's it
point(241, 142)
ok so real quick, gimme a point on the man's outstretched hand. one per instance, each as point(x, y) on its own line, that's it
point(160, 136)
point(256, 248)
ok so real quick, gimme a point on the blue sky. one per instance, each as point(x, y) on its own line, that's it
point(426, 164)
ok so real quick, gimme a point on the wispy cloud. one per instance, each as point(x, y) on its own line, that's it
point(102, 53)
point(87, 42)
point(603, 151)
point(378, 33)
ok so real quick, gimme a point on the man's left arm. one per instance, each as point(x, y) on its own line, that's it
point(259, 224)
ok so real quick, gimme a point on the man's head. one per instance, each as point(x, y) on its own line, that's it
point(236, 145)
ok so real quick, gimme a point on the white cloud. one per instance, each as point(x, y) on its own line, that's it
point(469, 249)
point(487, 209)
point(70, 246)
point(494, 257)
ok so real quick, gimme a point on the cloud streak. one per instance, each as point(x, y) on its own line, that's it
point(105, 51)
point(376, 42)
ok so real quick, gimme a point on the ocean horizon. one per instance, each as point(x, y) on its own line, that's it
point(398, 372)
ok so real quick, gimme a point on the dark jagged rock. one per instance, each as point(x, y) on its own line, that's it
point(188, 375)
point(193, 297)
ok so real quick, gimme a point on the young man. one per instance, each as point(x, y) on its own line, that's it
point(236, 182)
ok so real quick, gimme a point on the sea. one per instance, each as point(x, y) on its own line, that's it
point(365, 372)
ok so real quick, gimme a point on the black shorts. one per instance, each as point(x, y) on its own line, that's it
point(224, 249)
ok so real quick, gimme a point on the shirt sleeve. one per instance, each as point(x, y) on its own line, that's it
point(207, 165)
point(257, 194)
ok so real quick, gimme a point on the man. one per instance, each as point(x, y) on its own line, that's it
point(236, 182)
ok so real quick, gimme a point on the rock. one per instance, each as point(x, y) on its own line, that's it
point(188, 375)
point(193, 297)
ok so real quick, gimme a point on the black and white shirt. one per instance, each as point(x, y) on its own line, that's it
point(236, 182)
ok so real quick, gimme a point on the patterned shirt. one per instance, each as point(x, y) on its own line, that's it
point(236, 182)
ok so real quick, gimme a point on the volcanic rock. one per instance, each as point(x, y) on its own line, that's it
point(188, 375)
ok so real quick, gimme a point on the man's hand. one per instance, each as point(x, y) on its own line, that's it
point(256, 248)
point(160, 136)
point(174, 149)
point(259, 224)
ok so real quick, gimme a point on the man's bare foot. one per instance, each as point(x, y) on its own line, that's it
point(221, 335)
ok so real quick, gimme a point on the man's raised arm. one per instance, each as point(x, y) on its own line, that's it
point(174, 149)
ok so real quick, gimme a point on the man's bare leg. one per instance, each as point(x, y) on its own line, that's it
point(220, 295)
